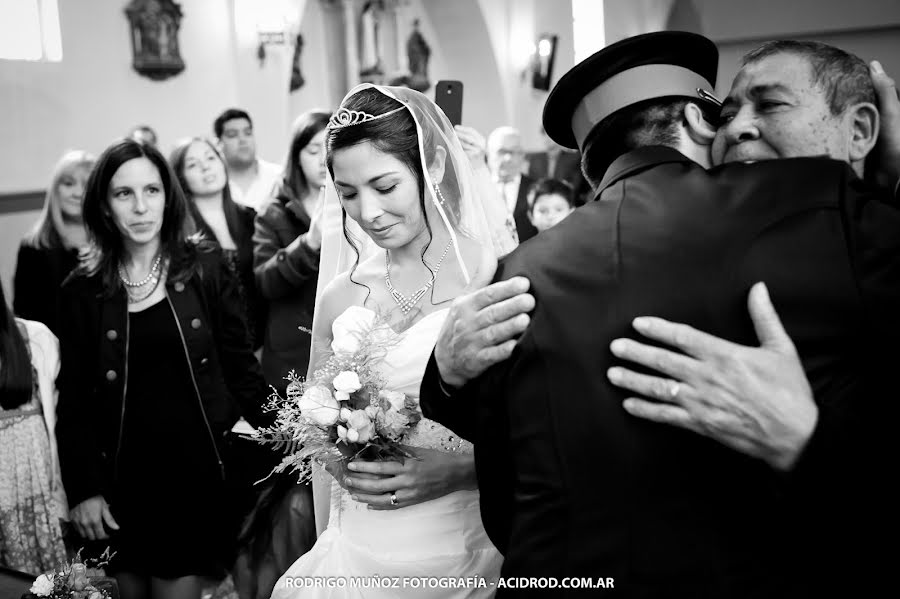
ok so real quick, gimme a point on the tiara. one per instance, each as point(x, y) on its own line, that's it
point(346, 118)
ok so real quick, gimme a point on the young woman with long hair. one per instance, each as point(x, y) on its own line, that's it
point(49, 251)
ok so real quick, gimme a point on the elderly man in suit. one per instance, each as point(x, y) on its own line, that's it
point(572, 485)
point(505, 158)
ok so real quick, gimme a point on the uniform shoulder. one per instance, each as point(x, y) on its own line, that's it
point(586, 225)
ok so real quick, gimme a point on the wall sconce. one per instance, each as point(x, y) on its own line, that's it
point(271, 32)
point(259, 25)
point(542, 61)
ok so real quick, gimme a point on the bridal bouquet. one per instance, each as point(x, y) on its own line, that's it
point(71, 581)
point(344, 410)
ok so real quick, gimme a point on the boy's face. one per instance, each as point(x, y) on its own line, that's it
point(548, 210)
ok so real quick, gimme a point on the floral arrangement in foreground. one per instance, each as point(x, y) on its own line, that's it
point(71, 581)
point(343, 411)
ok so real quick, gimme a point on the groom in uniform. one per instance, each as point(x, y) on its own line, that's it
point(573, 486)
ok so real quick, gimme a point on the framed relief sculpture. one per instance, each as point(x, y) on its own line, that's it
point(154, 37)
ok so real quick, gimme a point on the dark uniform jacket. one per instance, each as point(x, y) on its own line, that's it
point(571, 485)
point(93, 376)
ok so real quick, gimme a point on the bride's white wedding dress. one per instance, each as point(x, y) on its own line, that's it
point(441, 538)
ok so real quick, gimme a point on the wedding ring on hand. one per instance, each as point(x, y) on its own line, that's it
point(394, 499)
point(674, 389)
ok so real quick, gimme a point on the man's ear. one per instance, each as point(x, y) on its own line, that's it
point(700, 130)
point(436, 168)
point(864, 121)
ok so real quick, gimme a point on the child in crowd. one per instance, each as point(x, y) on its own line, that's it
point(549, 201)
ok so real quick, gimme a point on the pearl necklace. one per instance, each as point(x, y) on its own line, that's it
point(407, 303)
point(153, 274)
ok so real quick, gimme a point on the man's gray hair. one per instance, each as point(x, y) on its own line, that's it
point(843, 77)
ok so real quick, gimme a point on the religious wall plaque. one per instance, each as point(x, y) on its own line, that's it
point(154, 37)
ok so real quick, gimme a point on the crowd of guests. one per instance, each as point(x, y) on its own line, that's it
point(156, 302)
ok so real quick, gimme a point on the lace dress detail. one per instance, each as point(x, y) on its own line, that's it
point(30, 533)
point(431, 435)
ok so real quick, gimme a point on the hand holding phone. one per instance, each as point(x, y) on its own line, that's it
point(448, 95)
point(473, 144)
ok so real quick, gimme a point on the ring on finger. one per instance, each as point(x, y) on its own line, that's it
point(394, 501)
point(674, 389)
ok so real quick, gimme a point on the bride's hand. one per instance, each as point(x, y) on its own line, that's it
point(434, 474)
point(338, 469)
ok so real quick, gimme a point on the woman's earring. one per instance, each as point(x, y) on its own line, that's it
point(440, 196)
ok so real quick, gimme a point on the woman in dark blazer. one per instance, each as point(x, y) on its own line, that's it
point(201, 172)
point(286, 251)
point(49, 252)
point(156, 367)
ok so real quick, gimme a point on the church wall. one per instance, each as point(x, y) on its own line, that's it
point(868, 28)
point(94, 96)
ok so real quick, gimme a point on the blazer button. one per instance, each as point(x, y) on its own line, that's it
point(204, 361)
point(179, 286)
point(111, 375)
point(112, 335)
point(195, 324)
point(281, 256)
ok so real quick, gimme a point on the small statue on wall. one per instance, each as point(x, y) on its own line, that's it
point(297, 80)
point(154, 37)
point(369, 42)
point(418, 52)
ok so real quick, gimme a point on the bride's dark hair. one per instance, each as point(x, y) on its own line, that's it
point(396, 135)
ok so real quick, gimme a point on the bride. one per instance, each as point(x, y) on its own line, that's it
point(414, 236)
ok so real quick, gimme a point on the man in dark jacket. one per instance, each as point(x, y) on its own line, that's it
point(573, 486)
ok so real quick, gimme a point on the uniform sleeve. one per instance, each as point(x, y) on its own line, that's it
point(453, 409)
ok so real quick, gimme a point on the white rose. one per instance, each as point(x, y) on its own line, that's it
point(347, 382)
point(395, 398)
point(372, 411)
point(345, 414)
point(43, 586)
point(345, 331)
point(319, 405)
point(341, 396)
point(359, 427)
